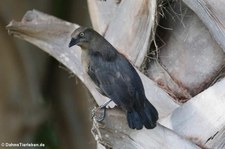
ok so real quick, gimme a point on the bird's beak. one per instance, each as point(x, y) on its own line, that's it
point(73, 42)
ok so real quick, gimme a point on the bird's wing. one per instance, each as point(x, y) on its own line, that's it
point(114, 87)
point(117, 81)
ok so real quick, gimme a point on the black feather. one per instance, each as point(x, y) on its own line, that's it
point(120, 82)
point(117, 79)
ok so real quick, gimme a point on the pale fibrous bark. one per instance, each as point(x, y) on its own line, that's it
point(212, 15)
point(129, 26)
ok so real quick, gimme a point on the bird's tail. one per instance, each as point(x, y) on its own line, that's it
point(146, 116)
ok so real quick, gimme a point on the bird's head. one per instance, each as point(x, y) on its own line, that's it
point(81, 37)
point(90, 40)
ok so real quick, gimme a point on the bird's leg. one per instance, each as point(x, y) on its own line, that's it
point(100, 119)
point(105, 104)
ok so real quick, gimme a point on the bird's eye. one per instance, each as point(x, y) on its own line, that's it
point(81, 34)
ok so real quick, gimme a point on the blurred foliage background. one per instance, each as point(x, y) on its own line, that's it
point(40, 101)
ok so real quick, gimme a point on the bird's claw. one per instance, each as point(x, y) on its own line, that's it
point(96, 111)
point(98, 114)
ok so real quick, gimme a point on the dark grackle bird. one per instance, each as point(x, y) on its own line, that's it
point(115, 76)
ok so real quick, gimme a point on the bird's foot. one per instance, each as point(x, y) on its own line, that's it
point(97, 112)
